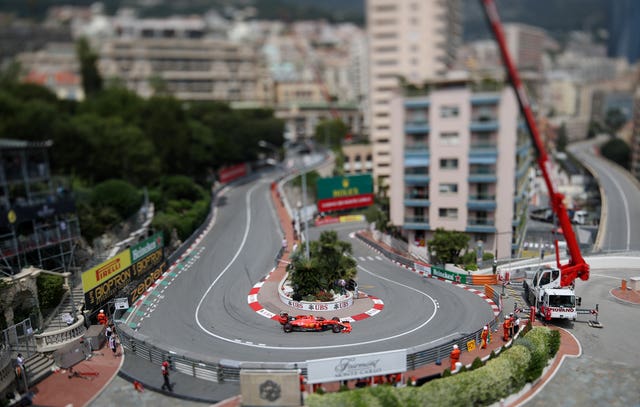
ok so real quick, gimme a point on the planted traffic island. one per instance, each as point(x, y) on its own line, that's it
point(324, 281)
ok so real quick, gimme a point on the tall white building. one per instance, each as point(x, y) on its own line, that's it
point(460, 162)
point(410, 39)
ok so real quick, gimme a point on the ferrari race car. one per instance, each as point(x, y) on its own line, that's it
point(310, 323)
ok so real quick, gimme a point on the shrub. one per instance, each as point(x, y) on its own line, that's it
point(50, 290)
point(118, 194)
point(179, 187)
point(554, 342)
point(324, 296)
point(538, 358)
point(471, 267)
point(487, 256)
point(477, 363)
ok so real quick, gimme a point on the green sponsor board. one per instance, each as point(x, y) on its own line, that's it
point(448, 275)
point(338, 187)
point(140, 250)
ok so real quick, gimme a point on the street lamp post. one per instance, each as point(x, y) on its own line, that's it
point(306, 221)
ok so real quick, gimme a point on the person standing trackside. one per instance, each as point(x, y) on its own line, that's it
point(506, 328)
point(455, 357)
point(102, 318)
point(516, 324)
point(485, 337)
point(284, 245)
point(113, 344)
point(165, 376)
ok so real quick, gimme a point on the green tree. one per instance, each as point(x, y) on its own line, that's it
point(563, 138)
point(10, 74)
point(116, 101)
point(159, 85)
point(305, 278)
point(91, 79)
point(118, 194)
point(331, 133)
point(614, 120)
point(447, 246)
point(329, 261)
point(618, 151)
point(333, 258)
point(373, 214)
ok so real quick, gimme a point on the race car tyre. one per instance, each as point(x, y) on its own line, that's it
point(335, 319)
point(287, 327)
point(336, 328)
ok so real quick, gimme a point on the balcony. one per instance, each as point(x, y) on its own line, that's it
point(417, 148)
point(416, 127)
point(479, 178)
point(491, 125)
point(416, 223)
point(417, 179)
point(417, 103)
point(488, 98)
point(417, 200)
point(482, 202)
point(480, 225)
point(478, 148)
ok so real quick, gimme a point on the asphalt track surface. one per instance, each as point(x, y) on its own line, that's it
point(202, 310)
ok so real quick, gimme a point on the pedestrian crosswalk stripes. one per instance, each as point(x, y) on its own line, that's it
point(368, 258)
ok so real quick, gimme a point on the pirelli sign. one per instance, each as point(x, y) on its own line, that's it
point(107, 270)
point(124, 276)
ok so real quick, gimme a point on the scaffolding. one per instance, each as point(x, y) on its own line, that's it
point(38, 222)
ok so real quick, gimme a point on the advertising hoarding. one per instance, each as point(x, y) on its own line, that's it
point(233, 172)
point(340, 187)
point(131, 281)
point(356, 366)
point(106, 270)
point(339, 193)
point(146, 247)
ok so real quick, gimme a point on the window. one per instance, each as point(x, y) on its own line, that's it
point(448, 213)
point(385, 7)
point(386, 62)
point(450, 138)
point(449, 111)
point(384, 21)
point(389, 48)
point(385, 35)
point(448, 163)
point(447, 188)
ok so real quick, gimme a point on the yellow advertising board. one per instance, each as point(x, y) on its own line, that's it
point(106, 270)
point(471, 346)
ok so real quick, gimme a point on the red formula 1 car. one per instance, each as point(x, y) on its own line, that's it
point(310, 323)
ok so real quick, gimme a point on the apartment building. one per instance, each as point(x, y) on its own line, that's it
point(410, 39)
point(178, 53)
point(461, 162)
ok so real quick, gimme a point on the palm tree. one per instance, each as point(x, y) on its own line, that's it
point(329, 262)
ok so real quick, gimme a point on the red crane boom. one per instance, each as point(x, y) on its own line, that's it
point(576, 267)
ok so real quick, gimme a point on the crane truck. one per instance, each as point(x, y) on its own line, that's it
point(551, 291)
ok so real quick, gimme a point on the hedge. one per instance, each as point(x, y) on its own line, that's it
point(497, 379)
